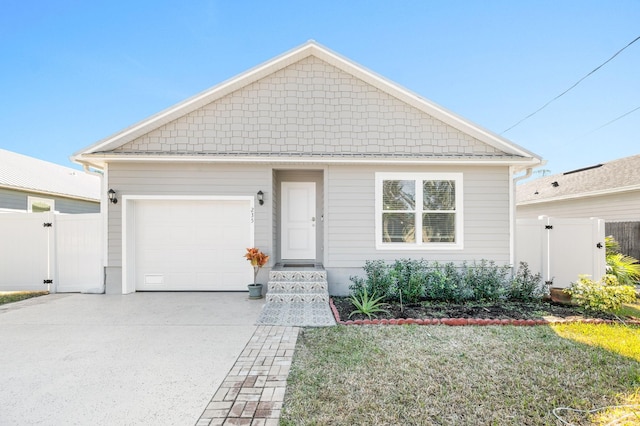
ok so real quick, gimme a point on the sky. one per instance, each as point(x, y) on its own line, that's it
point(75, 72)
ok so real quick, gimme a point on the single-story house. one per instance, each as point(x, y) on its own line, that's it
point(608, 191)
point(314, 160)
point(31, 185)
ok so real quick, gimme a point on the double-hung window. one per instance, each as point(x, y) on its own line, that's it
point(419, 211)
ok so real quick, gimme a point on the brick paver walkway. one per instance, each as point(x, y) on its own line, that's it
point(253, 392)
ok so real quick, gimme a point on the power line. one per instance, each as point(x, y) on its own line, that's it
point(615, 119)
point(574, 85)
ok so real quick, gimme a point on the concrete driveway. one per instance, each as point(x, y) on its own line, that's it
point(138, 359)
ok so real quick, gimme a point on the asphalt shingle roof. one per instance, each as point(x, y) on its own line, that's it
point(610, 176)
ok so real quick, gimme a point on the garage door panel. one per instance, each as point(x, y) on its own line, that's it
point(192, 245)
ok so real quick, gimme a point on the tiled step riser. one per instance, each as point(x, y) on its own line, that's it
point(298, 276)
point(298, 287)
point(292, 298)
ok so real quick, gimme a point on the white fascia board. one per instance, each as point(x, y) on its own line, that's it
point(308, 160)
point(601, 192)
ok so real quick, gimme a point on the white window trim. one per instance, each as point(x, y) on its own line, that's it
point(32, 200)
point(457, 245)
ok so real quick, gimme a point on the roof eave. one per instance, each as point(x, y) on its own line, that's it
point(99, 160)
point(590, 194)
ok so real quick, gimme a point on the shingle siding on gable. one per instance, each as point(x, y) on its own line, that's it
point(310, 108)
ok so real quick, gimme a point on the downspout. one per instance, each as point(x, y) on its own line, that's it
point(102, 287)
point(512, 214)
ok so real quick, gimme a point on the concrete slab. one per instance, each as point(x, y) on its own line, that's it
point(143, 358)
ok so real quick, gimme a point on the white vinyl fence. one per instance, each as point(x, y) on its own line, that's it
point(48, 251)
point(562, 249)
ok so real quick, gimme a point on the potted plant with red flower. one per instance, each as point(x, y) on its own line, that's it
point(258, 259)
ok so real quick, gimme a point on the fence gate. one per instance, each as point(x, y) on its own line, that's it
point(25, 251)
point(54, 252)
point(562, 249)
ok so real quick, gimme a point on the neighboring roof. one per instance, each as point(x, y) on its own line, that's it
point(21, 172)
point(605, 178)
point(102, 151)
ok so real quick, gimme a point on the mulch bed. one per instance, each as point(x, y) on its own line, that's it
point(510, 313)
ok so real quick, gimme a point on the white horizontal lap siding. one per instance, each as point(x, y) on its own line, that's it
point(172, 179)
point(624, 206)
point(351, 216)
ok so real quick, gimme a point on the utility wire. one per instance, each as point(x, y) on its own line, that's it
point(578, 82)
point(615, 119)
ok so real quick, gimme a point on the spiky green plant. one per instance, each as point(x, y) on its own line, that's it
point(367, 305)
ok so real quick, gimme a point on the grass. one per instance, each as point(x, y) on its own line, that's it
point(417, 375)
point(16, 296)
point(629, 310)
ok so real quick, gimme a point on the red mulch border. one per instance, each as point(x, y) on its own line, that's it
point(470, 321)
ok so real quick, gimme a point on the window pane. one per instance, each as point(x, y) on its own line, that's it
point(40, 207)
point(398, 195)
point(439, 227)
point(398, 228)
point(439, 194)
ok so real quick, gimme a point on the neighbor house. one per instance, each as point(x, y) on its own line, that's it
point(608, 191)
point(31, 185)
point(314, 160)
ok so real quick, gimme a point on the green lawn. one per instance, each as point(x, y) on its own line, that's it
point(16, 296)
point(439, 375)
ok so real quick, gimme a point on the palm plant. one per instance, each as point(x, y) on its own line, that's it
point(625, 268)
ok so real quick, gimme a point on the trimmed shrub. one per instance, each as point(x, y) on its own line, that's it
point(487, 281)
point(410, 281)
point(378, 280)
point(525, 286)
point(604, 296)
point(408, 277)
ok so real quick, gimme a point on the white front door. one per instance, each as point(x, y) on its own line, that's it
point(298, 220)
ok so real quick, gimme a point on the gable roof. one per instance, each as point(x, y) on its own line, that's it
point(102, 151)
point(20, 172)
point(605, 178)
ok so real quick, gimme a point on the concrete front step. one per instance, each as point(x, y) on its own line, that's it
point(298, 296)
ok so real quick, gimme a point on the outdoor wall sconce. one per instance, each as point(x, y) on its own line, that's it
point(260, 197)
point(555, 184)
point(112, 196)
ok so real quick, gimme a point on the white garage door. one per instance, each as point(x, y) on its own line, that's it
point(192, 245)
